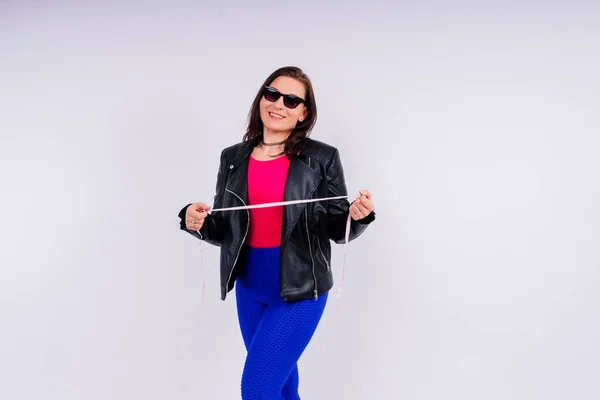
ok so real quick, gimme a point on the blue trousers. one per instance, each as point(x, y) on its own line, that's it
point(275, 332)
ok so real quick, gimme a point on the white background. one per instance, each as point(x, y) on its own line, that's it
point(475, 128)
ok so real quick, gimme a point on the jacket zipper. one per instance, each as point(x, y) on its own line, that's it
point(321, 251)
point(243, 240)
point(315, 292)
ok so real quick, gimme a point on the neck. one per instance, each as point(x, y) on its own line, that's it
point(274, 137)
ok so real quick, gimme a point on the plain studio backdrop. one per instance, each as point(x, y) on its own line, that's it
point(475, 128)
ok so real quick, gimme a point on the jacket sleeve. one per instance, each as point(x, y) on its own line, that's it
point(339, 209)
point(212, 229)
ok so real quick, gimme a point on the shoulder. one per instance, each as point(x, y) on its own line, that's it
point(235, 148)
point(232, 151)
point(320, 151)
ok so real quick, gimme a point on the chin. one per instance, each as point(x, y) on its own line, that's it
point(277, 128)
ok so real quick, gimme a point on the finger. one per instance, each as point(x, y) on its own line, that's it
point(201, 209)
point(201, 206)
point(366, 193)
point(355, 212)
point(194, 225)
point(362, 209)
point(196, 206)
point(198, 215)
point(366, 203)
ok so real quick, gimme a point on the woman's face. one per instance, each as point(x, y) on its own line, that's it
point(275, 116)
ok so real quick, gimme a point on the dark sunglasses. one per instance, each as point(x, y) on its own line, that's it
point(289, 100)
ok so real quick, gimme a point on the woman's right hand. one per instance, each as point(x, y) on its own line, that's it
point(195, 215)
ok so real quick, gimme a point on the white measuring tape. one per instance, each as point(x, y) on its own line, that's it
point(277, 204)
point(287, 203)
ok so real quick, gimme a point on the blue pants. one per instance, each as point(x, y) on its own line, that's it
point(275, 332)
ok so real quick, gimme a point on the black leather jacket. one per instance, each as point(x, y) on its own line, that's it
point(307, 228)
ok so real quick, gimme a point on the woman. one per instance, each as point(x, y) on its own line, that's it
point(278, 257)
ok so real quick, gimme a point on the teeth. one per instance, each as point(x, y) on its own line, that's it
point(275, 115)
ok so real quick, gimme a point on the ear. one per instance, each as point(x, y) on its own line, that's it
point(304, 115)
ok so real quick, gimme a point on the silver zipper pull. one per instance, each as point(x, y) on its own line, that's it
point(316, 294)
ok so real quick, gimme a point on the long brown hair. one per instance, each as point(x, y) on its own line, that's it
point(296, 142)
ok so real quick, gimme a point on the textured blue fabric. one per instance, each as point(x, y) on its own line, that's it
point(275, 332)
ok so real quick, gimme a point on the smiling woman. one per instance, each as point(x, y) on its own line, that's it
point(278, 120)
point(278, 258)
point(282, 126)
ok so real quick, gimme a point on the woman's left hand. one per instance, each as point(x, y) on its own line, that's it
point(362, 206)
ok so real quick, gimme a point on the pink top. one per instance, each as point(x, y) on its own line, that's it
point(266, 184)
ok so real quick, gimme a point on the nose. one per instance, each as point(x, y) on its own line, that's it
point(279, 103)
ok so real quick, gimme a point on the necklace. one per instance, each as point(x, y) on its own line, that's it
point(262, 144)
point(272, 144)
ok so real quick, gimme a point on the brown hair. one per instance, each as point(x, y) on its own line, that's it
point(296, 142)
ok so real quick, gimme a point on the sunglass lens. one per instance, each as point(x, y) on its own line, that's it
point(291, 101)
point(271, 94)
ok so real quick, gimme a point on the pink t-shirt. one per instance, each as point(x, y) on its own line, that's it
point(266, 184)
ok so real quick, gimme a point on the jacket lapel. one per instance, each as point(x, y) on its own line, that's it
point(237, 180)
point(301, 183)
